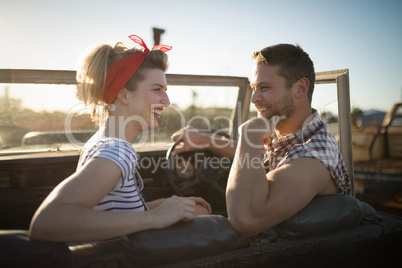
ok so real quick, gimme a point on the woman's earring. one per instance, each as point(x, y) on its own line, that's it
point(111, 107)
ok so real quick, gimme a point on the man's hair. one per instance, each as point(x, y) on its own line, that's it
point(293, 63)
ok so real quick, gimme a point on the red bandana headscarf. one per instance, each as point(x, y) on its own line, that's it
point(120, 72)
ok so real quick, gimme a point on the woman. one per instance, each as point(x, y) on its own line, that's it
point(100, 200)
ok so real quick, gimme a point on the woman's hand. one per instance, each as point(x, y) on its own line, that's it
point(174, 209)
point(202, 207)
point(185, 208)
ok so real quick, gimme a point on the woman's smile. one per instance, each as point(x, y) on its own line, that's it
point(157, 112)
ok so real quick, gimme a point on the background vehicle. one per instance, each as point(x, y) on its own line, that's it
point(370, 118)
point(378, 163)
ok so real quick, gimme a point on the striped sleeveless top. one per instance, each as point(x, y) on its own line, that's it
point(124, 195)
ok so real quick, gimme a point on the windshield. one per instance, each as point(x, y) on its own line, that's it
point(42, 117)
point(209, 108)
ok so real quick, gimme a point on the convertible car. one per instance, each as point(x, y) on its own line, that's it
point(335, 230)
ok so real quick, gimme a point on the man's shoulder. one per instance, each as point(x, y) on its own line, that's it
point(322, 132)
point(303, 168)
point(308, 163)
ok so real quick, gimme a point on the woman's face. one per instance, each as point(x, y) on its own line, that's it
point(148, 101)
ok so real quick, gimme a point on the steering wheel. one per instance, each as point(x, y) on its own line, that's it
point(194, 170)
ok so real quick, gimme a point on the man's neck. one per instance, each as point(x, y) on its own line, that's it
point(294, 122)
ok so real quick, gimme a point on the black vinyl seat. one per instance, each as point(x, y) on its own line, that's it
point(18, 250)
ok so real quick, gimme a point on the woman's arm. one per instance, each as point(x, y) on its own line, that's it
point(67, 214)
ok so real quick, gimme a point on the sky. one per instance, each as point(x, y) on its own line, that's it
point(215, 37)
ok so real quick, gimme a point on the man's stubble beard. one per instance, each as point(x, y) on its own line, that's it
point(285, 108)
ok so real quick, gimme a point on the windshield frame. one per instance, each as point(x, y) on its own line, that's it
point(68, 77)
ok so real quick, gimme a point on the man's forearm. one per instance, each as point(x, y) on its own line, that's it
point(247, 189)
point(225, 148)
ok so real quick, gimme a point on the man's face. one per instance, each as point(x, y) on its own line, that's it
point(270, 96)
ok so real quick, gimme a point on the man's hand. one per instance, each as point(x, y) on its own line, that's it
point(191, 140)
point(257, 131)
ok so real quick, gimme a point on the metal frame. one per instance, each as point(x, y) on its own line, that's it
point(341, 78)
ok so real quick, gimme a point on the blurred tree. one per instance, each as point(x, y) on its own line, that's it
point(355, 114)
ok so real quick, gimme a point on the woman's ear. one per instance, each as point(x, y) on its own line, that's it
point(303, 85)
point(122, 96)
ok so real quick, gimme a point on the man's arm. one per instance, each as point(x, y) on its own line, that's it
point(257, 201)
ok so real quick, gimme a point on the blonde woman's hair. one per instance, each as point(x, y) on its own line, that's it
point(91, 76)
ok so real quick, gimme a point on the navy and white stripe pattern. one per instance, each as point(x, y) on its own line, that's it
point(125, 195)
point(313, 140)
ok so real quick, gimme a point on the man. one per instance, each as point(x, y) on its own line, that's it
point(302, 158)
